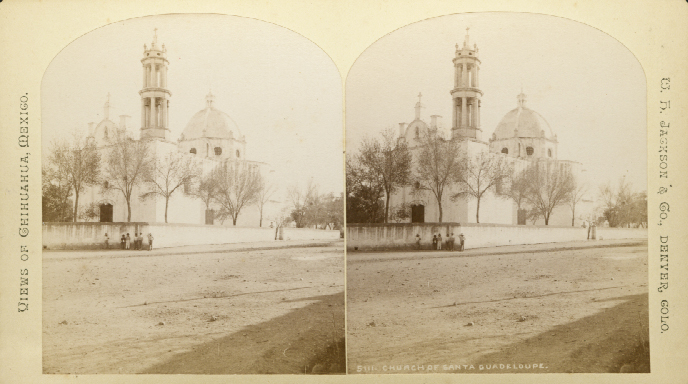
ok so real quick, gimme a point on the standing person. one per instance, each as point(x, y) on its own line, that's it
point(128, 241)
point(150, 241)
point(451, 242)
point(107, 240)
point(439, 241)
point(122, 242)
point(461, 240)
point(418, 241)
point(136, 241)
point(434, 242)
point(140, 241)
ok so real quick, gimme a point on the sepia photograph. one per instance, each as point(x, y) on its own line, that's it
point(192, 196)
point(343, 192)
point(496, 200)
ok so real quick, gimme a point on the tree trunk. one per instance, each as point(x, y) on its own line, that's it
point(573, 216)
point(167, 202)
point(260, 223)
point(76, 205)
point(546, 216)
point(439, 205)
point(386, 207)
point(234, 219)
point(477, 212)
point(128, 211)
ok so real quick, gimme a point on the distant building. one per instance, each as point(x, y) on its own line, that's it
point(211, 137)
point(523, 137)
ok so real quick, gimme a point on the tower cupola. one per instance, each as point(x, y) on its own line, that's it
point(155, 97)
point(466, 93)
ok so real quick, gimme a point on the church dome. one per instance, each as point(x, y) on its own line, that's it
point(210, 122)
point(523, 122)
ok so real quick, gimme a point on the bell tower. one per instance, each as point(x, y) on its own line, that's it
point(466, 93)
point(155, 97)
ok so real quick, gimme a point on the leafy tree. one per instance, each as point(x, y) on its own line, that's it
point(301, 200)
point(364, 202)
point(57, 207)
point(168, 175)
point(483, 173)
point(206, 189)
point(387, 162)
point(440, 165)
point(128, 164)
point(238, 186)
point(622, 207)
point(77, 163)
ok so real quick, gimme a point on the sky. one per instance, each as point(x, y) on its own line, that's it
point(588, 86)
point(281, 89)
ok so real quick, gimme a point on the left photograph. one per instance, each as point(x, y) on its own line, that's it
point(192, 194)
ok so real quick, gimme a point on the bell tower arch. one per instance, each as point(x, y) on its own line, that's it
point(466, 93)
point(155, 97)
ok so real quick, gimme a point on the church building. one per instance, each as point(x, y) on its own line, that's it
point(211, 138)
point(522, 137)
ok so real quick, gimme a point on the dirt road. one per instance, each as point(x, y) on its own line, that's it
point(568, 307)
point(222, 311)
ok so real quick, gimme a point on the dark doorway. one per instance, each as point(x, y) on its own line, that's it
point(209, 216)
point(521, 217)
point(417, 213)
point(106, 213)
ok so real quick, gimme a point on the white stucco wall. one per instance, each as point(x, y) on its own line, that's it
point(477, 235)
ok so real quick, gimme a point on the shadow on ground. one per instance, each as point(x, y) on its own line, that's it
point(613, 339)
point(306, 340)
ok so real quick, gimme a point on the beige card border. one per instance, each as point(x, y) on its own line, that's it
point(32, 33)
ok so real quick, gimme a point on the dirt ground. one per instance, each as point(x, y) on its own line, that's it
point(184, 311)
point(567, 307)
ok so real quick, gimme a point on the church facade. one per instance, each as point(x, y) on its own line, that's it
point(522, 137)
point(210, 138)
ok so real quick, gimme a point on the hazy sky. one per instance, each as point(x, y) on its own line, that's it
point(281, 89)
point(586, 84)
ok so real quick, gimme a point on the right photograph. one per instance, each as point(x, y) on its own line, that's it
point(496, 200)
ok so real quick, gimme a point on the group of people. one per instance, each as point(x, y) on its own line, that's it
point(437, 242)
point(126, 241)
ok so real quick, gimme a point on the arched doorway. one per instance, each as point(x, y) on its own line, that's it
point(417, 213)
point(106, 213)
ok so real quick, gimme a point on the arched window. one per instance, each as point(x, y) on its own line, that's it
point(549, 152)
point(529, 151)
point(218, 151)
point(417, 132)
point(106, 185)
point(192, 150)
point(416, 185)
point(505, 150)
point(238, 154)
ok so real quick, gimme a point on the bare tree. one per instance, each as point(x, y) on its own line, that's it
point(551, 185)
point(387, 161)
point(267, 189)
point(128, 164)
point(439, 166)
point(238, 187)
point(77, 162)
point(519, 187)
point(482, 173)
point(577, 194)
point(168, 174)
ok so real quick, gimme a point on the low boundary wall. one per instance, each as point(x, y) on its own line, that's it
point(92, 235)
point(403, 235)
